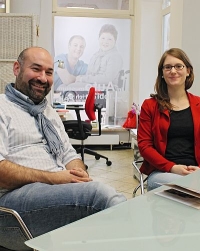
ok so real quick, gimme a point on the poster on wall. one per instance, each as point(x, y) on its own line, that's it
point(93, 52)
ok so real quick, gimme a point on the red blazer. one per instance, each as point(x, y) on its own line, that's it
point(152, 134)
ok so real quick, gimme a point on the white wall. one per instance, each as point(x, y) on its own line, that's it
point(147, 47)
point(191, 38)
point(184, 33)
point(176, 23)
point(42, 8)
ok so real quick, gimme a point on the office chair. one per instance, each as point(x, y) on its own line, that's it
point(138, 160)
point(21, 224)
point(81, 130)
point(142, 179)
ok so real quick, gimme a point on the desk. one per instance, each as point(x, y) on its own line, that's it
point(109, 136)
point(147, 222)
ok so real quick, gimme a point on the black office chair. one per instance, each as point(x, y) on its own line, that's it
point(22, 225)
point(81, 130)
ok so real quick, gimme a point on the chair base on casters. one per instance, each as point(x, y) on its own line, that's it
point(83, 150)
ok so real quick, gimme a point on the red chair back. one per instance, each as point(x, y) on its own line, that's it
point(90, 104)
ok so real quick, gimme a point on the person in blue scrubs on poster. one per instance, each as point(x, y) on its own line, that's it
point(73, 66)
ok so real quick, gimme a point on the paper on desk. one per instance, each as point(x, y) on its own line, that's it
point(187, 196)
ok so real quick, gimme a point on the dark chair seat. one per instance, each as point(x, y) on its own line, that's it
point(72, 128)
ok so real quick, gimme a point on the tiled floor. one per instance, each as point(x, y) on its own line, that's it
point(119, 174)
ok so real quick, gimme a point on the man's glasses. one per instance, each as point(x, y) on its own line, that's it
point(177, 67)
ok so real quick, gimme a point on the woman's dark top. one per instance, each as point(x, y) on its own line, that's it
point(180, 145)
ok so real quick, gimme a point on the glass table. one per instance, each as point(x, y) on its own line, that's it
point(146, 222)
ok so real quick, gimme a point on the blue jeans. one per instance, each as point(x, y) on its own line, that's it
point(46, 207)
point(157, 177)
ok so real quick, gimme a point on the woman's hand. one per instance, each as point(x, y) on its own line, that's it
point(183, 169)
point(193, 168)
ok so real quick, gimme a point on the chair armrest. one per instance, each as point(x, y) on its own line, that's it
point(19, 219)
point(99, 107)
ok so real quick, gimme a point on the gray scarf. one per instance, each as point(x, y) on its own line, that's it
point(45, 126)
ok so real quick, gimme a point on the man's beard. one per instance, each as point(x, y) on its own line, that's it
point(38, 90)
point(34, 89)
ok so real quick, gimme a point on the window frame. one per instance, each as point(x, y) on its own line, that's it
point(93, 12)
point(165, 33)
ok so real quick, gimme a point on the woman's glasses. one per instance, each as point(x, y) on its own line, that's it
point(177, 67)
